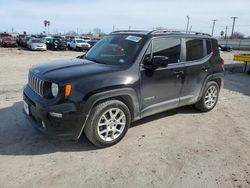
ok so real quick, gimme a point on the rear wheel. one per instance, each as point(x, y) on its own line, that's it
point(209, 98)
point(108, 123)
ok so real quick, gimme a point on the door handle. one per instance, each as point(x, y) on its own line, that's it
point(205, 68)
point(178, 72)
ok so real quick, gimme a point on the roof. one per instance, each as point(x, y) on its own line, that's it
point(161, 32)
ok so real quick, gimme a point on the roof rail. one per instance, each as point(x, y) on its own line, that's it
point(162, 31)
point(131, 31)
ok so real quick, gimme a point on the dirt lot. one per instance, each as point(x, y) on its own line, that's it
point(179, 148)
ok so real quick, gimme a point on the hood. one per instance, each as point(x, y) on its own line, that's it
point(70, 69)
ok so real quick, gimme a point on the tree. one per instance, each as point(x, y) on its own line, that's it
point(46, 24)
point(238, 35)
point(97, 30)
point(71, 33)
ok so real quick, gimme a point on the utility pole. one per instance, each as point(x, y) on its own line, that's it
point(113, 27)
point(190, 29)
point(187, 23)
point(234, 18)
point(213, 26)
point(129, 28)
point(226, 33)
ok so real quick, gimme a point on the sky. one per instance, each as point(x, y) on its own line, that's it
point(83, 16)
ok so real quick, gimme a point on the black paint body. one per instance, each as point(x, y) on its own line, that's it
point(144, 91)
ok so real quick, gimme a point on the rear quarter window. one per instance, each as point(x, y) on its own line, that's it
point(194, 49)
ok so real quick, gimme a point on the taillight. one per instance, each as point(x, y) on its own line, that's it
point(222, 61)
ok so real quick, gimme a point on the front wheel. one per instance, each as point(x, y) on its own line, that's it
point(209, 98)
point(108, 123)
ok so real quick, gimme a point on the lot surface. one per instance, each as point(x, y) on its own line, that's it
point(178, 148)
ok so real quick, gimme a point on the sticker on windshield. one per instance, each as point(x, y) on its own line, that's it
point(133, 38)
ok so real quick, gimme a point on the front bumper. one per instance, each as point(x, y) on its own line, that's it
point(42, 48)
point(60, 47)
point(66, 126)
point(10, 44)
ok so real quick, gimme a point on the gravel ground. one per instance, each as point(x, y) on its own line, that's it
point(178, 148)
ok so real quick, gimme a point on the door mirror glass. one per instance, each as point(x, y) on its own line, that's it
point(160, 61)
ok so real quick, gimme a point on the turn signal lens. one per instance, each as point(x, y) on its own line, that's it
point(67, 90)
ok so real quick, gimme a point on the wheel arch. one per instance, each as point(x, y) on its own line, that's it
point(126, 95)
point(217, 77)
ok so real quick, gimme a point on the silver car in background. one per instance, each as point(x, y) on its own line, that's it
point(36, 44)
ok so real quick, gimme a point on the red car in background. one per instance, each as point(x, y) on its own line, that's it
point(3, 36)
point(9, 42)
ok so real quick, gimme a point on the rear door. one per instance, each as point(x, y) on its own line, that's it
point(197, 67)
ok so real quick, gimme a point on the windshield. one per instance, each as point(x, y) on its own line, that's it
point(116, 49)
point(9, 39)
point(80, 41)
point(58, 40)
point(37, 41)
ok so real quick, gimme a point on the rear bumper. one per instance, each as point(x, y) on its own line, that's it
point(66, 126)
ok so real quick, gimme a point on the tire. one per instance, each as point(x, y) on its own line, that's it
point(99, 127)
point(203, 104)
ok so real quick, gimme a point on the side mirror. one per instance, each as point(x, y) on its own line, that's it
point(160, 61)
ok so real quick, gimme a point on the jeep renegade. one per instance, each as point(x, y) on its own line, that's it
point(126, 76)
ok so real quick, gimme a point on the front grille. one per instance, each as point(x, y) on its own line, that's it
point(36, 84)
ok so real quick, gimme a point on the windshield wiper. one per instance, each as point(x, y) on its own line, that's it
point(96, 61)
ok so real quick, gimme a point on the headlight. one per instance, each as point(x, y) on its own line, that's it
point(54, 89)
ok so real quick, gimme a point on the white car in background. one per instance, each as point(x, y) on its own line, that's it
point(79, 44)
point(36, 44)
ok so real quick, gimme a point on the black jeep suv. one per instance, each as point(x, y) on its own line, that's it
point(126, 76)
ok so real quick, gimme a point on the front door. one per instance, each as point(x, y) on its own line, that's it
point(160, 88)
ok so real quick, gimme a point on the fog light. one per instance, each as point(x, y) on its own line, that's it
point(54, 114)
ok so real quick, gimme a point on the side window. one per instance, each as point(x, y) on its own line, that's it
point(169, 47)
point(194, 49)
point(208, 45)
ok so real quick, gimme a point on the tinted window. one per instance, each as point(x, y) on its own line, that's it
point(209, 47)
point(36, 41)
point(169, 47)
point(194, 49)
